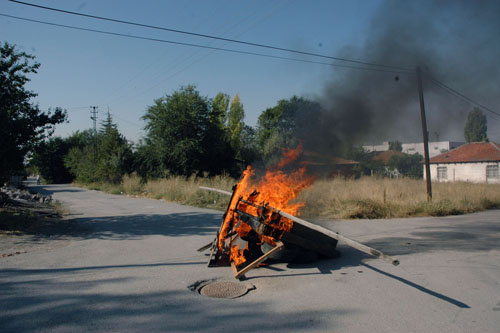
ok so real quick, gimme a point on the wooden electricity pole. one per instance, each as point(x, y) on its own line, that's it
point(425, 135)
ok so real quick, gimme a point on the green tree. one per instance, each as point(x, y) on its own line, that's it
point(407, 165)
point(367, 166)
point(476, 126)
point(114, 159)
point(24, 125)
point(395, 145)
point(115, 156)
point(220, 105)
point(184, 136)
point(249, 150)
point(284, 125)
point(235, 124)
point(48, 159)
point(80, 158)
point(148, 161)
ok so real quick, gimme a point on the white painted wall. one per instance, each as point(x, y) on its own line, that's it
point(465, 172)
point(435, 148)
point(383, 147)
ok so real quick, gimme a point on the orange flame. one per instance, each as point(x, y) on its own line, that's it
point(276, 189)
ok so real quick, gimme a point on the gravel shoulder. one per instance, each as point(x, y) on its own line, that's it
point(132, 268)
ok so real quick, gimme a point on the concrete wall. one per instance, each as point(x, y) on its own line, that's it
point(466, 172)
point(435, 148)
point(383, 147)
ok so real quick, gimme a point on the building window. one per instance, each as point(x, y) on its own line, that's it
point(492, 172)
point(442, 173)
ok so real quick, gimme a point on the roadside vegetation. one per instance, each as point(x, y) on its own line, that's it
point(31, 218)
point(376, 197)
point(193, 140)
point(338, 198)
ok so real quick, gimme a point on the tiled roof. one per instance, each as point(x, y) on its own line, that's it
point(385, 156)
point(470, 152)
point(314, 158)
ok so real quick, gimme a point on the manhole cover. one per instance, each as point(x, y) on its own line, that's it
point(225, 289)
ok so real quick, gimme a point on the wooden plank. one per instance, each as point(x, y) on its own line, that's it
point(215, 190)
point(235, 270)
point(357, 245)
point(241, 273)
point(320, 243)
point(206, 247)
point(339, 237)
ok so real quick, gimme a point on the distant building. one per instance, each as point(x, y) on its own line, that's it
point(476, 162)
point(384, 157)
point(329, 166)
point(435, 148)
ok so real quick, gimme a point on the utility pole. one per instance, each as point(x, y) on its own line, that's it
point(93, 112)
point(425, 135)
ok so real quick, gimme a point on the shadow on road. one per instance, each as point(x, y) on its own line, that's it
point(47, 300)
point(419, 287)
point(138, 226)
point(133, 226)
point(43, 189)
point(463, 237)
point(351, 258)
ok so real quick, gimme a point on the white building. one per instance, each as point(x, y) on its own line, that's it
point(435, 148)
point(476, 162)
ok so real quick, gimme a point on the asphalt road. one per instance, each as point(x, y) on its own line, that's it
point(129, 266)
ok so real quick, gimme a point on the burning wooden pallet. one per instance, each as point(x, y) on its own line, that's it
point(252, 223)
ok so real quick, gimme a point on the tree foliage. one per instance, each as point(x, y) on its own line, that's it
point(114, 156)
point(367, 166)
point(407, 165)
point(220, 106)
point(282, 126)
point(476, 126)
point(235, 124)
point(395, 145)
point(48, 160)
point(24, 125)
point(185, 135)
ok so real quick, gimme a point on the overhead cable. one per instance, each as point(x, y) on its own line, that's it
point(203, 46)
point(462, 96)
point(209, 36)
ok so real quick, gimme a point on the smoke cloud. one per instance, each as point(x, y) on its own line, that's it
point(456, 42)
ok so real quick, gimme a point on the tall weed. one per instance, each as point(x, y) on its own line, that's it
point(338, 198)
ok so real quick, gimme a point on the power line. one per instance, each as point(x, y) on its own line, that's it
point(196, 60)
point(205, 46)
point(183, 58)
point(209, 36)
point(462, 96)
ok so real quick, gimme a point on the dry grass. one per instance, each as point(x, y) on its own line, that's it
point(372, 197)
point(368, 197)
point(175, 189)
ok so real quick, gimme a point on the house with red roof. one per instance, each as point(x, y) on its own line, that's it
point(384, 157)
point(476, 162)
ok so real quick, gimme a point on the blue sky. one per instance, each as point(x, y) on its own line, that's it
point(79, 69)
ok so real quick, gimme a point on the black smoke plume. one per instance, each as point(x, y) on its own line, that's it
point(455, 42)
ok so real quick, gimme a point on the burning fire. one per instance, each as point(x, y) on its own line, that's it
point(276, 189)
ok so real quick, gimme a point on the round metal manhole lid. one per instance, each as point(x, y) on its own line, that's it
point(225, 289)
